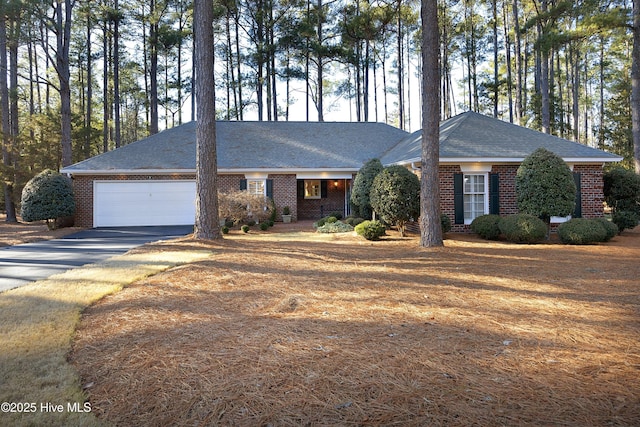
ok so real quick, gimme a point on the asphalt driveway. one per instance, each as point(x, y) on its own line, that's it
point(22, 264)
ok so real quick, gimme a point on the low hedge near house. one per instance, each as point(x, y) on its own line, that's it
point(522, 228)
point(583, 231)
point(486, 226)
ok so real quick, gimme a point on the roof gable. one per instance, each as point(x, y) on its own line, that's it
point(474, 137)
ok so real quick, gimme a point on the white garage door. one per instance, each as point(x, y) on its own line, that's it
point(135, 203)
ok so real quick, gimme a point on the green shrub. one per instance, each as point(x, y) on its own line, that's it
point(625, 219)
point(371, 230)
point(522, 228)
point(331, 219)
point(581, 231)
point(47, 196)
point(225, 230)
point(622, 189)
point(353, 221)
point(395, 196)
point(486, 226)
point(264, 226)
point(445, 222)
point(245, 228)
point(545, 186)
point(335, 227)
point(251, 223)
point(360, 200)
point(336, 215)
point(609, 227)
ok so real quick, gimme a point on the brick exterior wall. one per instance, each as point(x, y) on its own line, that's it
point(592, 188)
point(285, 193)
point(590, 181)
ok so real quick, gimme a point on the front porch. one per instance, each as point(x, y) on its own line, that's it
point(317, 198)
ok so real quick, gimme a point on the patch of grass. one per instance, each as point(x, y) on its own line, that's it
point(37, 323)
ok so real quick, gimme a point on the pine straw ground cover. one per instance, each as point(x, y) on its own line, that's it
point(306, 329)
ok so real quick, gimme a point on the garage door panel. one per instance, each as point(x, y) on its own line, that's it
point(138, 203)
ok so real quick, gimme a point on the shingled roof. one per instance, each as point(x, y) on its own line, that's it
point(337, 146)
point(473, 137)
point(246, 146)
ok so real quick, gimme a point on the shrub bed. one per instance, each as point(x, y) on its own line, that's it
point(334, 227)
point(522, 228)
point(486, 226)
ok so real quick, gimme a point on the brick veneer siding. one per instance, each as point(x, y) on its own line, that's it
point(590, 181)
point(285, 192)
point(592, 188)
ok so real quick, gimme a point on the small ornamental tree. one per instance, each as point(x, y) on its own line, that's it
point(395, 196)
point(362, 186)
point(622, 190)
point(47, 196)
point(545, 186)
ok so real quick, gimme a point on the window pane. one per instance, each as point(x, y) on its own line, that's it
point(255, 187)
point(311, 189)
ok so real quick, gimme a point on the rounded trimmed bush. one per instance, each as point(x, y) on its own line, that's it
point(445, 223)
point(625, 219)
point(522, 228)
point(610, 228)
point(486, 226)
point(47, 196)
point(225, 230)
point(395, 196)
point(371, 230)
point(245, 228)
point(332, 219)
point(545, 186)
point(581, 231)
point(264, 226)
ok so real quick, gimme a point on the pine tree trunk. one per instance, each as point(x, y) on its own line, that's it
point(5, 126)
point(635, 86)
point(116, 75)
point(518, 63)
point(430, 227)
point(153, 68)
point(207, 225)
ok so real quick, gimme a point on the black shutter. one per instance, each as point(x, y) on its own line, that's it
point(270, 188)
point(243, 184)
point(323, 189)
point(458, 197)
point(494, 194)
point(301, 189)
point(577, 213)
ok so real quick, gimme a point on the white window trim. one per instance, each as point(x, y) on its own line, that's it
point(486, 192)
